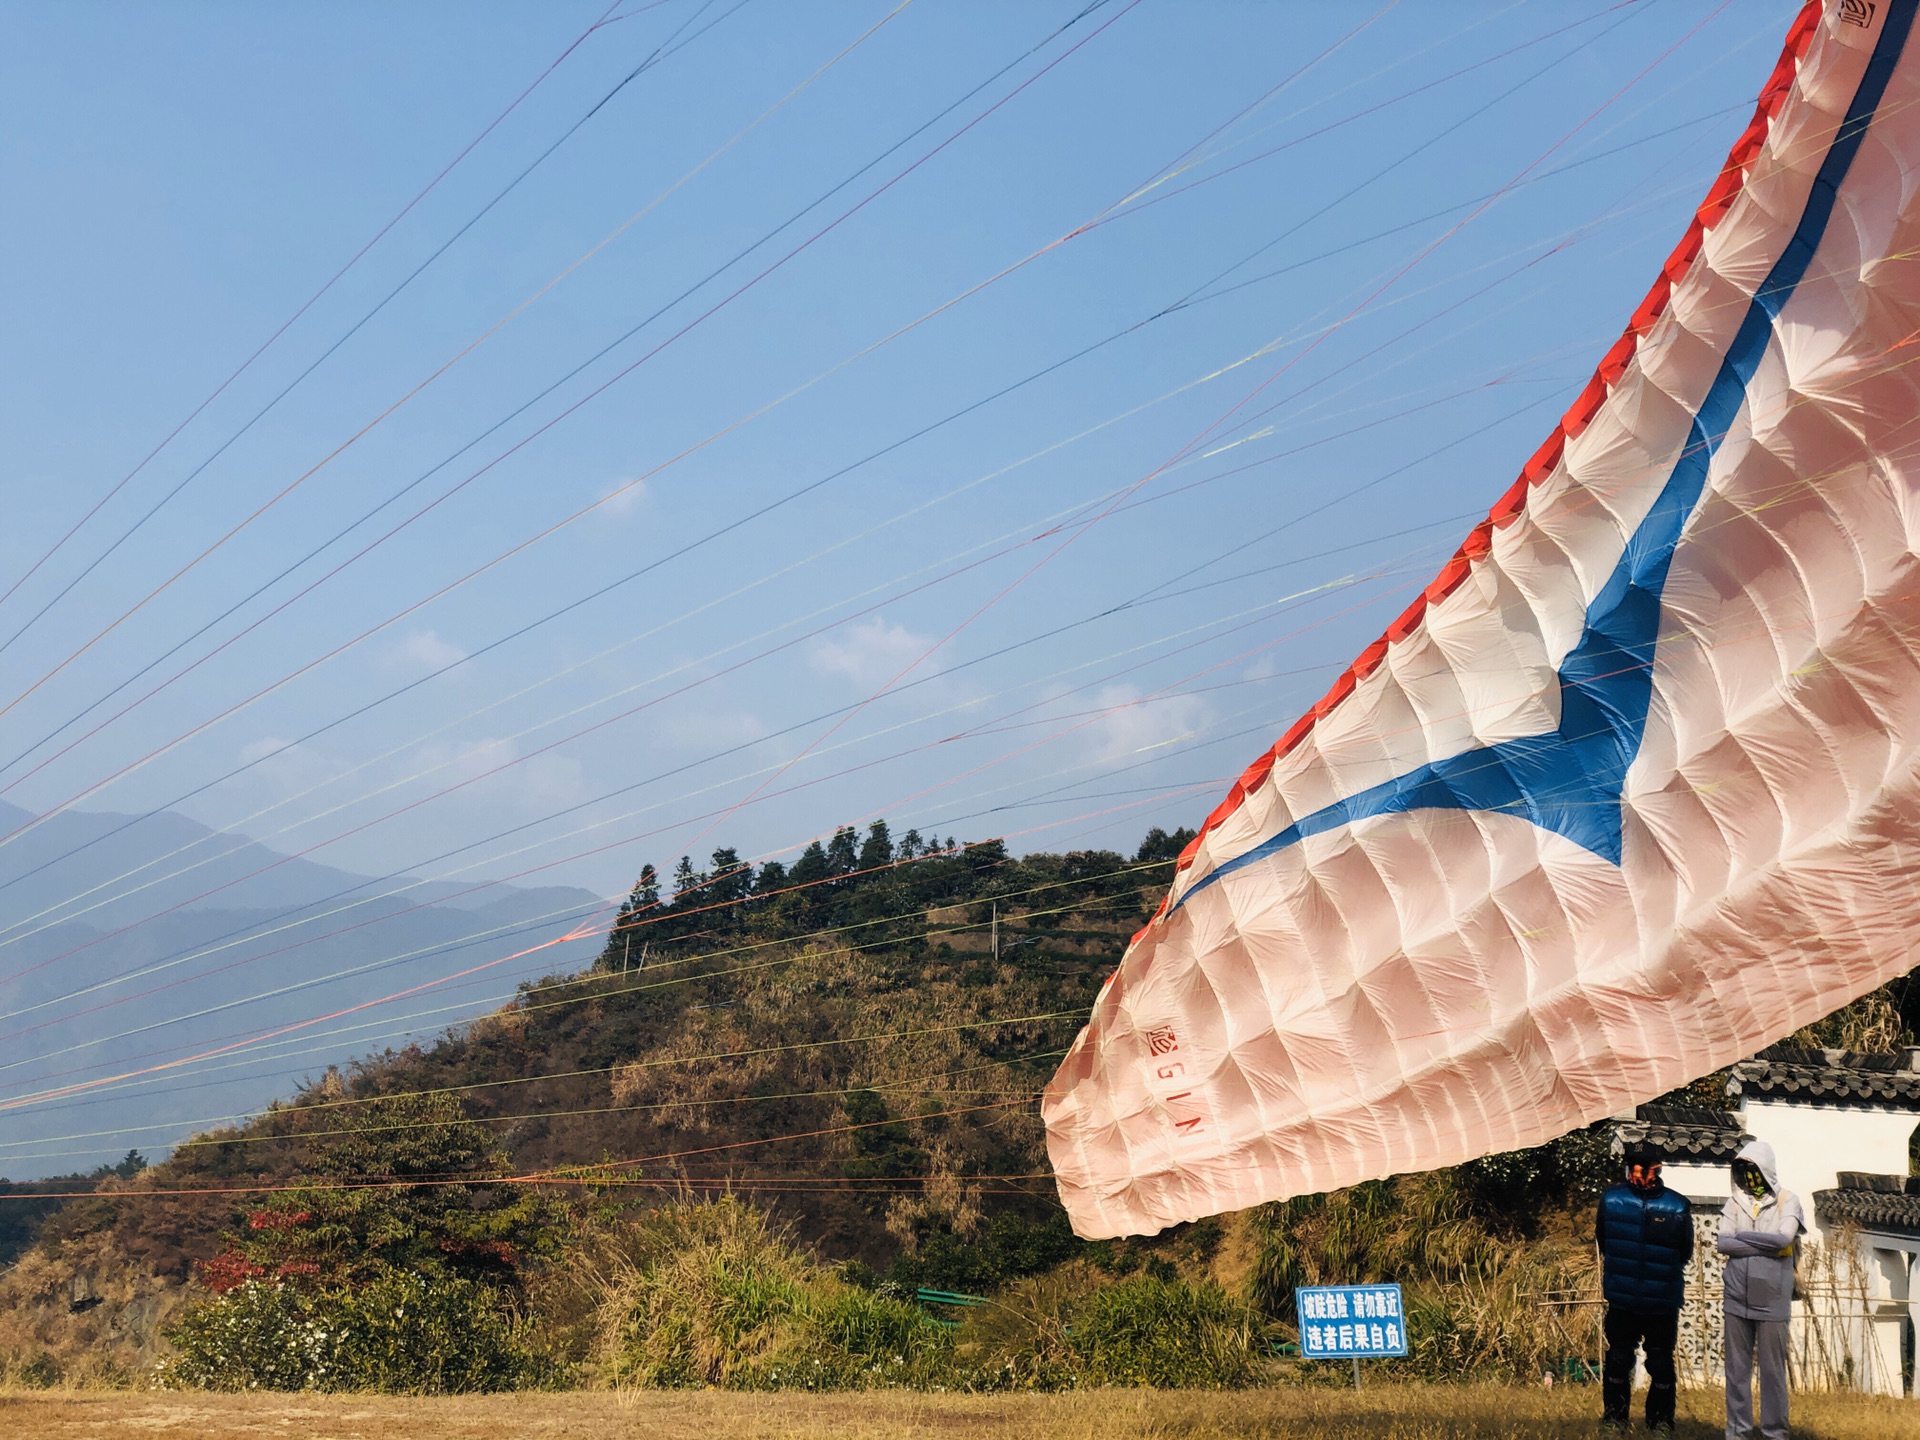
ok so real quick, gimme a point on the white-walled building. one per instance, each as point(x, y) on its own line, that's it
point(1843, 1129)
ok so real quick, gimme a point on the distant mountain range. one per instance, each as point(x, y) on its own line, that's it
point(243, 940)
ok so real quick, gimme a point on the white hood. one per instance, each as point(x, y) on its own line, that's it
point(1761, 1154)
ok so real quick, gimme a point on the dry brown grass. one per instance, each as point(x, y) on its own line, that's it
point(111, 1340)
point(1397, 1412)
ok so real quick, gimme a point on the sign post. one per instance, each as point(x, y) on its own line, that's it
point(1350, 1322)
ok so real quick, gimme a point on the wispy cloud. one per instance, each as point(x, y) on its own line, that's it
point(1133, 727)
point(425, 651)
point(622, 498)
point(871, 652)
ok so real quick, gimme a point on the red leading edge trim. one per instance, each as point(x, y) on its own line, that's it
point(1613, 365)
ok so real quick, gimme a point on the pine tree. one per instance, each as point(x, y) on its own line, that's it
point(625, 949)
point(843, 851)
point(728, 881)
point(911, 845)
point(618, 953)
point(877, 852)
point(812, 865)
point(686, 879)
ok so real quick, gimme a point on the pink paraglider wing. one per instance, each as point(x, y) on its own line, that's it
point(1632, 789)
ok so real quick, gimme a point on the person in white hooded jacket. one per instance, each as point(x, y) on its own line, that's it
point(1760, 1226)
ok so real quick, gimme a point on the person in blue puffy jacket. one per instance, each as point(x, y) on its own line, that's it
point(1646, 1243)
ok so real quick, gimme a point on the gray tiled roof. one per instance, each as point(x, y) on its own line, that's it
point(1877, 1202)
point(1828, 1077)
point(1682, 1134)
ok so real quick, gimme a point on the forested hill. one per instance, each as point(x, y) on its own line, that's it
point(856, 1041)
point(739, 1023)
point(856, 1045)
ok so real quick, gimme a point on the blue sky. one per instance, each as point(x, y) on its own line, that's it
point(1114, 585)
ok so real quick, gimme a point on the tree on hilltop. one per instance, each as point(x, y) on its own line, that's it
point(1159, 845)
point(729, 881)
point(877, 851)
point(843, 851)
point(812, 866)
point(686, 879)
point(625, 948)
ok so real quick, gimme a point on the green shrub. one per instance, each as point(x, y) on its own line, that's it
point(1008, 1247)
point(701, 1295)
point(711, 1294)
point(874, 1327)
point(398, 1333)
point(339, 1231)
point(1023, 1340)
point(1166, 1333)
point(848, 1339)
point(1064, 1331)
point(40, 1372)
point(254, 1337)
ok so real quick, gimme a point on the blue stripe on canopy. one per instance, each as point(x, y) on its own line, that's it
point(1569, 780)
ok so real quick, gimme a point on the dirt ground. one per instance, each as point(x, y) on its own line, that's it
point(1398, 1412)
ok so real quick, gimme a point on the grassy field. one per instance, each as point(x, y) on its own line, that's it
point(1398, 1412)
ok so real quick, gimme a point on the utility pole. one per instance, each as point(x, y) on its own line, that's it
point(996, 932)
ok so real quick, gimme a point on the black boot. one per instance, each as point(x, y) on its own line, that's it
point(1616, 1399)
point(1660, 1400)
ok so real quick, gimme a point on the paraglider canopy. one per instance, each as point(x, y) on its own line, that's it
point(1629, 792)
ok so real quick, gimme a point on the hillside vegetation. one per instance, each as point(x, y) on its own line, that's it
point(780, 1103)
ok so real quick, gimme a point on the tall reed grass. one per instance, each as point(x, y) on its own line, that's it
point(713, 1294)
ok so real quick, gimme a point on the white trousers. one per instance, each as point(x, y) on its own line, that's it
point(1762, 1343)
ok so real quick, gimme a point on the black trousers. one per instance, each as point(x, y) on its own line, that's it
point(1627, 1331)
